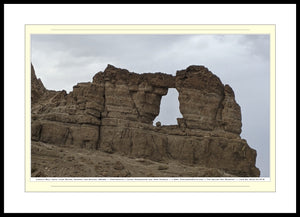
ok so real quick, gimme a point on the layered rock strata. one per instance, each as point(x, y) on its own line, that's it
point(114, 113)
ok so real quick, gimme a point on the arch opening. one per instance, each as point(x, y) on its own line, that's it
point(169, 109)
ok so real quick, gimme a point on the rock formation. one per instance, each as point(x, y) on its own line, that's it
point(114, 113)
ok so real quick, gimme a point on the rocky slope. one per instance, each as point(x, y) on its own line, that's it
point(52, 161)
point(114, 113)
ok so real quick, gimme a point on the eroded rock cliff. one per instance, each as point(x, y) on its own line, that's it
point(114, 113)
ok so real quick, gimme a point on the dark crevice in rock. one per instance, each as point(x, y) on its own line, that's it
point(99, 136)
point(66, 136)
point(102, 113)
point(134, 105)
point(218, 116)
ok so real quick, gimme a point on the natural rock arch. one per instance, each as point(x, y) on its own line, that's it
point(115, 113)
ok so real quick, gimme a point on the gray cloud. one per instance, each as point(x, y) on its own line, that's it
point(242, 61)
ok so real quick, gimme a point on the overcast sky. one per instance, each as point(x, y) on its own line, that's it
point(242, 61)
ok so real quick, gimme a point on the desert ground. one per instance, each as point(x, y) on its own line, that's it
point(53, 161)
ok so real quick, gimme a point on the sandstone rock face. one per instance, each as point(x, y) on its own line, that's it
point(200, 95)
point(114, 114)
point(131, 96)
point(37, 87)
